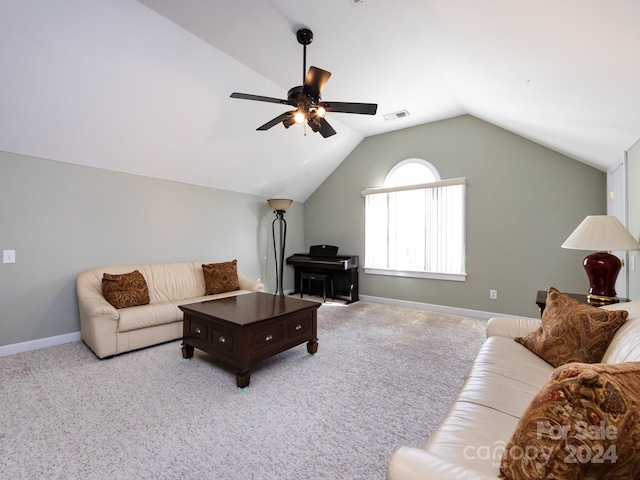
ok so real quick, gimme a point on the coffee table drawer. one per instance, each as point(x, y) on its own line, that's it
point(265, 338)
point(198, 330)
point(222, 340)
point(299, 327)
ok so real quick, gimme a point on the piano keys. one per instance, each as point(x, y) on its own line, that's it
point(323, 259)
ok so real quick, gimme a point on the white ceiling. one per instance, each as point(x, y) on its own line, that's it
point(143, 86)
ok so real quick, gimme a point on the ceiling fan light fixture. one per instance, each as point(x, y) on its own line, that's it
point(321, 111)
point(299, 117)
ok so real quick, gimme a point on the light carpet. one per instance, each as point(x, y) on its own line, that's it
point(383, 377)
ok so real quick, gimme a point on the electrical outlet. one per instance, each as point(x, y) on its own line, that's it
point(8, 256)
point(493, 294)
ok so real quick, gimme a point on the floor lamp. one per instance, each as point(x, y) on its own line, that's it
point(279, 205)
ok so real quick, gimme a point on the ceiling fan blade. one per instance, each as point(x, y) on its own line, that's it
point(315, 81)
point(326, 130)
point(318, 124)
point(349, 107)
point(285, 117)
point(259, 98)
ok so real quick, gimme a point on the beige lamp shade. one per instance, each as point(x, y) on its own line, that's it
point(279, 203)
point(602, 233)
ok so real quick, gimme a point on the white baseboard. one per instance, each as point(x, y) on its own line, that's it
point(7, 350)
point(74, 337)
point(435, 308)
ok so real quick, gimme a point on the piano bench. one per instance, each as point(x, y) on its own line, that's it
point(319, 277)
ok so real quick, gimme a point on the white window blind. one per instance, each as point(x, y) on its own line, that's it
point(416, 230)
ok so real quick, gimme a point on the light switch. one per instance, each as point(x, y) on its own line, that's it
point(8, 256)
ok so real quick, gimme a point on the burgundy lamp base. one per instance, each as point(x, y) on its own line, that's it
point(602, 269)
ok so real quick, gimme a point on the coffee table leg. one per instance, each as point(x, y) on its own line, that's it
point(187, 351)
point(242, 379)
point(312, 347)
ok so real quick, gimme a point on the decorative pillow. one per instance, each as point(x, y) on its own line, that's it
point(125, 290)
point(571, 331)
point(582, 424)
point(220, 277)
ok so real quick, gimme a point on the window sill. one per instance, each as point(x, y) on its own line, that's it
point(454, 277)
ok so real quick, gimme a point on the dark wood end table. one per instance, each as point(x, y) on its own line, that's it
point(541, 300)
point(242, 330)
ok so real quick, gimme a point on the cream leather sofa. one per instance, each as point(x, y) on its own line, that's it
point(469, 441)
point(109, 331)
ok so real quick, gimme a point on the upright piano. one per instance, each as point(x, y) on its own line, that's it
point(324, 259)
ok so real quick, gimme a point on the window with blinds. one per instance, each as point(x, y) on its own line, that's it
point(416, 230)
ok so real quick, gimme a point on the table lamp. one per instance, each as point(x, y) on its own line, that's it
point(602, 233)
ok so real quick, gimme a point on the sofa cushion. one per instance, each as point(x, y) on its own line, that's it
point(571, 331)
point(125, 290)
point(173, 281)
point(220, 277)
point(470, 436)
point(146, 316)
point(582, 424)
point(411, 463)
point(505, 377)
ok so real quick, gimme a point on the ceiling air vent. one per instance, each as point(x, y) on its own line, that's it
point(393, 116)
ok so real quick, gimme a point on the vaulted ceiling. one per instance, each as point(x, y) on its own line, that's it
point(143, 86)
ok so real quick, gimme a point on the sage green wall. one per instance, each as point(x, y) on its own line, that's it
point(523, 201)
point(62, 219)
point(633, 215)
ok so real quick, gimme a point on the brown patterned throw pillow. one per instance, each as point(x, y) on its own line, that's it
point(571, 331)
point(125, 290)
point(220, 277)
point(584, 423)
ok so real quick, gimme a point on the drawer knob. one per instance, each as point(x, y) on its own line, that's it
point(298, 327)
point(222, 339)
point(268, 338)
point(197, 330)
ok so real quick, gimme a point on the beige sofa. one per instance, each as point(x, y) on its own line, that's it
point(469, 441)
point(109, 331)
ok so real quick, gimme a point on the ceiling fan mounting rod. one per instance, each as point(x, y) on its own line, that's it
point(304, 62)
point(305, 37)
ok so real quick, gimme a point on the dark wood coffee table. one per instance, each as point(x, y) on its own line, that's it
point(243, 330)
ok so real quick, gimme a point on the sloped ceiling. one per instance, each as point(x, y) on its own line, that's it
point(143, 86)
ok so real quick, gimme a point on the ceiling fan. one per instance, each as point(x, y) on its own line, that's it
point(306, 98)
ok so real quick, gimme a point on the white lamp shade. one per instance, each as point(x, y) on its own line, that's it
point(279, 203)
point(601, 233)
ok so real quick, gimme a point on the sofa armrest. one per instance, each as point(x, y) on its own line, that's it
point(410, 463)
point(91, 301)
point(249, 283)
point(98, 325)
point(93, 307)
point(511, 327)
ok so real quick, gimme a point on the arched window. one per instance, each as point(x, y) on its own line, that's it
point(410, 172)
point(415, 224)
